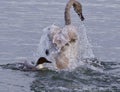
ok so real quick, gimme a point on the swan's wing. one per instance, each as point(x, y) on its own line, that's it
point(60, 40)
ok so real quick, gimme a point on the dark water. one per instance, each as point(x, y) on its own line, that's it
point(21, 22)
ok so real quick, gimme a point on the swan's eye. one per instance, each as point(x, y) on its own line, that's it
point(47, 52)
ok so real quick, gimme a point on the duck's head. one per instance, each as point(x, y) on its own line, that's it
point(40, 62)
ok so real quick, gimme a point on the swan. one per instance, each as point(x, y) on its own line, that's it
point(62, 45)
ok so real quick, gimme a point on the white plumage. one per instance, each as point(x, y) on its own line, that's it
point(67, 46)
point(67, 56)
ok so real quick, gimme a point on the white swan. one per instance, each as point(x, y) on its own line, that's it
point(63, 46)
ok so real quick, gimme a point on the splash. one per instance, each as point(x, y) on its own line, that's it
point(81, 46)
point(85, 46)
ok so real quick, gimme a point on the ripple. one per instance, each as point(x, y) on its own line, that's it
point(83, 78)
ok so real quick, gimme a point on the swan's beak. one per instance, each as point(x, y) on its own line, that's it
point(82, 18)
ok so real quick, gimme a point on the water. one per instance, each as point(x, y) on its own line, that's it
point(21, 22)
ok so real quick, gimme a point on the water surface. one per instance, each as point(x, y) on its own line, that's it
point(21, 22)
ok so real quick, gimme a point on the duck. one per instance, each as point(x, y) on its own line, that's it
point(61, 45)
point(40, 62)
point(26, 66)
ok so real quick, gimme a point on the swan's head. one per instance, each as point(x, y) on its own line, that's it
point(41, 60)
point(78, 9)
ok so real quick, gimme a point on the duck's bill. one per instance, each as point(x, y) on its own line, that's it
point(48, 62)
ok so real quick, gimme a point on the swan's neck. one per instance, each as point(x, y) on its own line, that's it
point(67, 12)
point(78, 9)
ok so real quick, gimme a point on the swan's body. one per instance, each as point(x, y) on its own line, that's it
point(63, 44)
